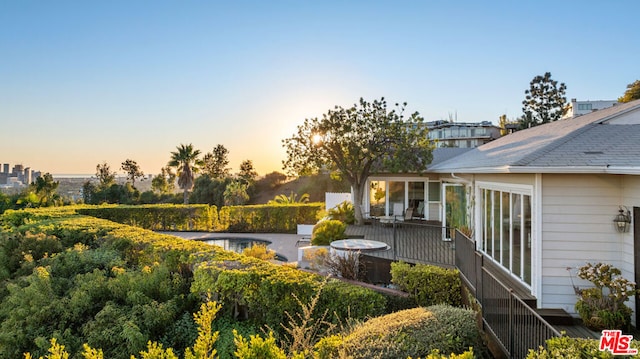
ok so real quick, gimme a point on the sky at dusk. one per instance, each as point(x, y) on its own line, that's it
point(84, 82)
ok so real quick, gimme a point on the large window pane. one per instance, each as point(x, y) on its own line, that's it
point(377, 195)
point(526, 238)
point(434, 191)
point(496, 226)
point(488, 232)
point(416, 198)
point(506, 230)
point(396, 198)
point(516, 215)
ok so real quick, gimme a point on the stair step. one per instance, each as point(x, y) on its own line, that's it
point(555, 316)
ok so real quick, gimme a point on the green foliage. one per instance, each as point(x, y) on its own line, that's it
point(133, 171)
point(343, 212)
point(632, 92)
point(259, 251)
point(215, 163)
point(576, 348)
point(165, 182)
point(268, 218)
point(428, 284)
point(258, 348)
point(325, 232)
point(602, 307)
point(209, 190)
point(163, 217)
point(236, 194)
point(186, 161)
point(292, 198)
point(45, 188)
point(544, 102)
point(203, 348)
point(414, 332)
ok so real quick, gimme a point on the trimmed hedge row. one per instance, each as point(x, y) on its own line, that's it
point(264, 218)
point(163, 217)
point(428, 284)
point(275, 218)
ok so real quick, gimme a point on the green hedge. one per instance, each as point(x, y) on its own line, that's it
point(277, 218)
point(414, 333)
point(578, 348)
point(102, 250)
point(161, 217)
point(274, 218)
point(263, 293)
point(428, 284)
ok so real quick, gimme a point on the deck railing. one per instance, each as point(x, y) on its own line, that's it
point(422, 243)
point(514, 325)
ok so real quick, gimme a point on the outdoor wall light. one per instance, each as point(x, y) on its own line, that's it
point(622, 220)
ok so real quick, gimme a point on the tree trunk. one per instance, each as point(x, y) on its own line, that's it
point(358, 191)
point(186, 196)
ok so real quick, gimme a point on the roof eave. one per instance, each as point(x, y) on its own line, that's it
point(533, 170)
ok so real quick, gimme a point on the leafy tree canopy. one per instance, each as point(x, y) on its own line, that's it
point(632, 93)
point(247, 171)
point(357, 141)
point(544, 102)
point(131, 168)
point(216, 162)
point(45, 188)
point(104, 175)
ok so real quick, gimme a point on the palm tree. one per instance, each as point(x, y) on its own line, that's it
point(186, 161)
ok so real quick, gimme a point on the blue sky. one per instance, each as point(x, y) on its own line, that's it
point(82, 82)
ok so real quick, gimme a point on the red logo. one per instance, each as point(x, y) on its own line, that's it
point(616, 343)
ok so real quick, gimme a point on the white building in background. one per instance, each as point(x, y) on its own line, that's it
point(577, 108)
point(462, 135)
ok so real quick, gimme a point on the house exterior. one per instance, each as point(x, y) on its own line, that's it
point(462, 135)
point(391, 194)
point(541, 202)
point(578, 108)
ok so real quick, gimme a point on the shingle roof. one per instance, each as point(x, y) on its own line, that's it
point(595, 142)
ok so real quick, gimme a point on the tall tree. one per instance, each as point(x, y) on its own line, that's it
point(186, 162)
point(104, 175)
point(544, 101)
point(247, 172)
point(131, 168)
point(215, 162)
point(165, 182)
point(45, 188)
point(357, 141)
point(632, 93)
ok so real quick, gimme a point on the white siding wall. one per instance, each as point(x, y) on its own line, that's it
point(577, 227)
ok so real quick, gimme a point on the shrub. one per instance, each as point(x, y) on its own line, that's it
point(577, 348)
point(259, 251)
point(428, 284)
point(602, 307)
point(414, 332)
point(275, 218)
point(325, 232)
point(343, 212)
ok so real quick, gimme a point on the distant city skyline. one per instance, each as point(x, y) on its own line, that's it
point(90, 82)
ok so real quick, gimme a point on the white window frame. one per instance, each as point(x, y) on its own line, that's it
point(511, 188)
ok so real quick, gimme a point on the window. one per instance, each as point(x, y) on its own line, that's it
point(506, 232)
point(584, 107)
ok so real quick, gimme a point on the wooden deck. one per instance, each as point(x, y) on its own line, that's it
point(408, 241)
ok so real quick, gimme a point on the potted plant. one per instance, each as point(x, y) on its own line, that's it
point(602, 306)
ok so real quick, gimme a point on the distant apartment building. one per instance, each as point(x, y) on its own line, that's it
point(462, 135)
point(18, 176)
point(577, 108)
